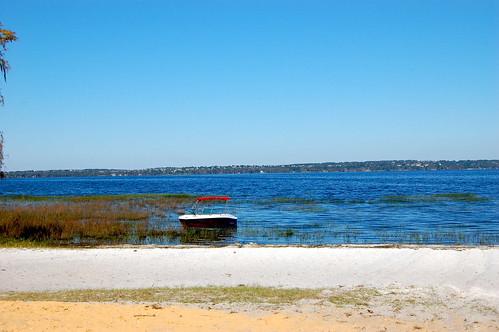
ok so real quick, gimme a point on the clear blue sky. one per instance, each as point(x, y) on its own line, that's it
point(133, 84)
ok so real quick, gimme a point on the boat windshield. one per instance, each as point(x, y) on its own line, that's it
point(211, 205)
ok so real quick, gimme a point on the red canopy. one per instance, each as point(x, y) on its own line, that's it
point(213, 198)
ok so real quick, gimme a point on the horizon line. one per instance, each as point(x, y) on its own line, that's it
point(257, 165)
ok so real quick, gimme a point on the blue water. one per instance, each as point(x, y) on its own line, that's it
point(340, 207)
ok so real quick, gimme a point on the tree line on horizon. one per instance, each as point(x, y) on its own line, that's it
point(328, 167)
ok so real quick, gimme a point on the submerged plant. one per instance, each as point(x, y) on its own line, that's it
point(292, 200)
point(442, 197)
point(461, 197)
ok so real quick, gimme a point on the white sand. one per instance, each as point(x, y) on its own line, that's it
point(472, 271)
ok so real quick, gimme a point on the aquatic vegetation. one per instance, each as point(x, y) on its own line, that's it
point(309, 208)
point(461, 197)
point(292, 204)
point(205, 235)
point(83, 198)
point(152, 219)
point(456, 237)
point(443, 197)
point(317, 205)
point(336, 235)
point(288, 233)
point(399, 199)
point(281, 201)
point(292, 200)
point(84, 219)
point(173, 235)
point(67, 221)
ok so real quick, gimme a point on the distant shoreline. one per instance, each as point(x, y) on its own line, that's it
point(326, 167)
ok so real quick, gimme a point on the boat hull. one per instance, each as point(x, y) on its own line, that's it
point(208, 221)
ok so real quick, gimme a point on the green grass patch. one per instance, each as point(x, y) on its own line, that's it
point(242, 294)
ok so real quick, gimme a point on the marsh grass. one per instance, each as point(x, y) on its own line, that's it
point(76, 219)
point(215, 295)
point(60, 221)
point(92, 220)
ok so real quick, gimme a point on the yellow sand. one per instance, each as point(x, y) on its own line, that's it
point(60, 316)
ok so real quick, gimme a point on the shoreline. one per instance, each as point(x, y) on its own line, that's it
point(41, 245)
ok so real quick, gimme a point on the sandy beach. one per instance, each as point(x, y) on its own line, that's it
point(58, 316)
point(429, 289)
point(474, 271)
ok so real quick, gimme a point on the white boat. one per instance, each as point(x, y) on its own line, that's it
point(209, 220)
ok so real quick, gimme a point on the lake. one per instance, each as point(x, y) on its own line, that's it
point(431, 207)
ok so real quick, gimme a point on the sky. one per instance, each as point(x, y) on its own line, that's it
point(138, 84)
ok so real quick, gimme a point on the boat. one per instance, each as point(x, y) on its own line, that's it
point(209, 220)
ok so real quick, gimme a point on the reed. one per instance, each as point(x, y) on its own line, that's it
point(74, 219)
point(62, 221)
